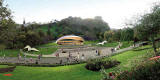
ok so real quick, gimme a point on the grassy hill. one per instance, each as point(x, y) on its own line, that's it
point(55, 30)
point(45, 29)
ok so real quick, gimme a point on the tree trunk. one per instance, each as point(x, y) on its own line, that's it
point(154, 45)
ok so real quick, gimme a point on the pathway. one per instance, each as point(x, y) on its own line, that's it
point(89, 54)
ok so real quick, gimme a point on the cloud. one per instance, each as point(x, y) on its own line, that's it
point(115, 12)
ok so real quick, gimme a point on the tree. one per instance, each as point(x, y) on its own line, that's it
point(41, 33)
point(49, 32)
point(149, 25)
point(90, 29)
point(32, 38)
point(127, 34)
point(108, 35)
point(117, 35)
point(7, 25)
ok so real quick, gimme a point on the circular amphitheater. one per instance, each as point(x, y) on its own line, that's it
point(70, 40)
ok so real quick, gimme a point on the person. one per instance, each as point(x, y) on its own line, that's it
point(25, 56)
point(96, 52)
point(62, 50)
point(118, 46)
point(61, 61)
point(19, 56)
point(78, 55)
point(99, 52)
point(115, 49)
point(39, 57)
point(82, 56)
point(69, 55)
point(31, 59)
point(4, 56)
point(36, 62)
point(57, 55)
point(67, 59)
point(112, 50)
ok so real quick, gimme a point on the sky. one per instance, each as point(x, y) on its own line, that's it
point(115, 12)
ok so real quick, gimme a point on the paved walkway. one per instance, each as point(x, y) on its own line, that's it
point(89, 53)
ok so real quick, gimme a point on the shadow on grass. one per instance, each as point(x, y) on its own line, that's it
point(141, 49)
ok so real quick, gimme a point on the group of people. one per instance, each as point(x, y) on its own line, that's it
point(116, 48)
point(71, 57)
point(78, 57)
point(30, 59)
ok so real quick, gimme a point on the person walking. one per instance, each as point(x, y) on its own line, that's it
point(62, 50)
point(96, 52)
point(60, 61)
point(57, 55)
point(25, 57)
point(36, 62)
point(39, 57)
point(118, 47)
point(19, 57)
point(99, 52)
point(31, 60)
point(82, 57)
point(70, 55)
point(78, 55)
point(4, 56)
point(112, 50)
point(67, 59)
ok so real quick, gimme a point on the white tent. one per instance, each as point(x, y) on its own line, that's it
point(30, 49)
point(102, 43)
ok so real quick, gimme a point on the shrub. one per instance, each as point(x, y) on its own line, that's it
point(107, 76)
point(97, 64)
point(8, 69)
point(2, 46)
point(41, 65)
point(149, 70)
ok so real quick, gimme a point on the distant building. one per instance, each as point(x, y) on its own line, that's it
point(25, 24)
point(70, 40)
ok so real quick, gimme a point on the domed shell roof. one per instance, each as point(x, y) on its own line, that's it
point(70, 37)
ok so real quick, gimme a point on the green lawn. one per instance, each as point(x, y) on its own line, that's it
point(9, 52)
point(48, 45)
point(75, 72)
point(94, 43)
point(14, 53)
point(45, 50)
point(113, 44)
point(90, 42)
point(126, 44)
point(3, 66)
point(130, 58)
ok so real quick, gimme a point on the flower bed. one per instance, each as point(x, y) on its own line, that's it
point(149, 70)
point(8, 69)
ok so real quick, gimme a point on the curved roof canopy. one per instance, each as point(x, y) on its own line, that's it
point(70, 37)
